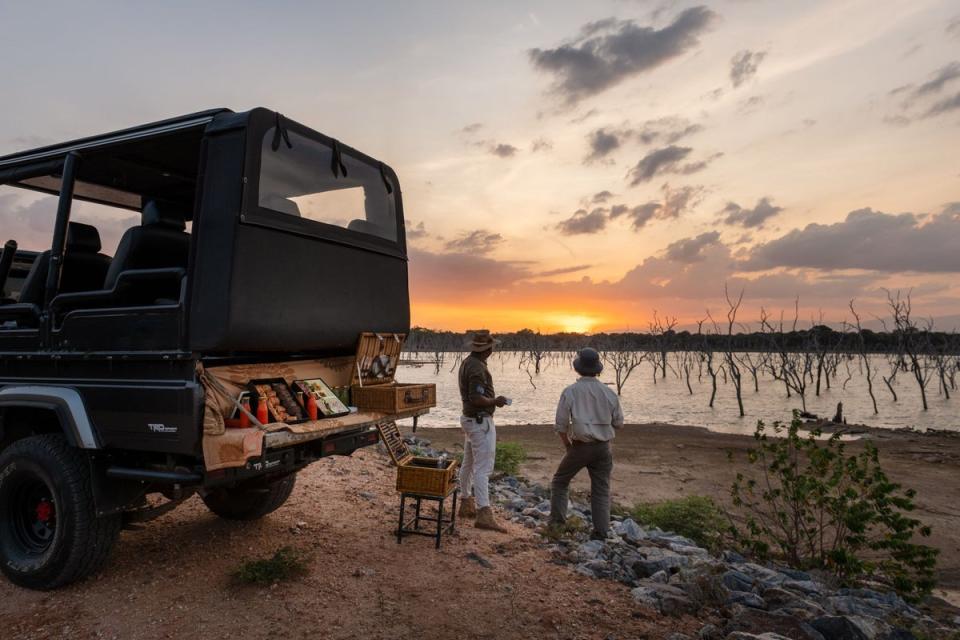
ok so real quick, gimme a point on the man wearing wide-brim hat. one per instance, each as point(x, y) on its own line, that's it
point(587, 416)
point(480, 435)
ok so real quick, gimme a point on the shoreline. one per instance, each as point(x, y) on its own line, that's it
point(658, 461)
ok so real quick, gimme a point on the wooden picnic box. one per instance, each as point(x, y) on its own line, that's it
point(418, 475)
point(374, 387)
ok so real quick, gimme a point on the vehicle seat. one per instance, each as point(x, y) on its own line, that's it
point(84, 267)
point(159, 242)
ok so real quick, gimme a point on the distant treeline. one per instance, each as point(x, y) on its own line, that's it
point(817, 337)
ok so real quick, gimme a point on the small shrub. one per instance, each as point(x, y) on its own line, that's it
point(285, 564)
point(694, 517)
point(810, 503)
point(508, 457)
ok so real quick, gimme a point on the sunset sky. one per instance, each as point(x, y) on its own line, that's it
point(568, 166)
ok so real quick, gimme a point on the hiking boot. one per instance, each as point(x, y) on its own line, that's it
point(468, 508)
point(598, 536)
point(485, 520)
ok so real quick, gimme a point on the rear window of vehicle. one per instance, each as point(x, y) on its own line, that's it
point(299, 180)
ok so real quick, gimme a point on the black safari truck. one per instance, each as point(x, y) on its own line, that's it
point(260, 250)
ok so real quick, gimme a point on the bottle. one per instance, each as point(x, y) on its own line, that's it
point(262, 415)
point(312, 407)
point(245, 414)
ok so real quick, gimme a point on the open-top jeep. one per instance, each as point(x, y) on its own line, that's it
point(260, 249)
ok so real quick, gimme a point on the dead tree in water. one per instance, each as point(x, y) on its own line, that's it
point(864, 357)
point(684, 364)
point(533, 349)
point(707, 357)
point(661, 331)
point(913, 341)
point(729, 359)
point(621, 357)
point(790, 368)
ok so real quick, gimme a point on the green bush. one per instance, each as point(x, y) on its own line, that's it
point(508, 458)
point(569, 529)
point(808, 502)
point(694, 517)
point(285, 564)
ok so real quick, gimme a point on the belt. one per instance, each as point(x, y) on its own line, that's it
point(581, 443)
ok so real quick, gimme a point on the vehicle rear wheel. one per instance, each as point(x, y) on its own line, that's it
point(50, 534)
point(250, 502)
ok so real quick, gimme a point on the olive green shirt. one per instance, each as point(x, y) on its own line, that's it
point(475, 380)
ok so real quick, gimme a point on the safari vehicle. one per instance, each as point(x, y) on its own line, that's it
point(260, 249)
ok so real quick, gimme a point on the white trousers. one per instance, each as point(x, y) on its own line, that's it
point(479, 452)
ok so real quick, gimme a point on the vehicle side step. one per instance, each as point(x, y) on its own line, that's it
point(151, 475)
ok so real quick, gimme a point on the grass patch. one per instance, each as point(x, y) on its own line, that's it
point(558, 532)
point(509, 457)
point(287, 563)
point(694, 517)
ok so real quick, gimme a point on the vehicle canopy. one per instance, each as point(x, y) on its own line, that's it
point(295, 244)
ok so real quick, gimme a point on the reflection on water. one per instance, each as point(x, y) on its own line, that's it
point(669, 401)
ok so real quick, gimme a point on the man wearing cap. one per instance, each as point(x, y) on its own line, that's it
point(480, 442)
point(587, 415)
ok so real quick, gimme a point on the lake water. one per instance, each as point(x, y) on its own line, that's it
point(669, 401)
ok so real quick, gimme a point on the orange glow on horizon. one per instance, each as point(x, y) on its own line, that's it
point(447, 317)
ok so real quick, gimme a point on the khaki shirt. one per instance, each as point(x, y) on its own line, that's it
point(588, 411)
point(475, 380)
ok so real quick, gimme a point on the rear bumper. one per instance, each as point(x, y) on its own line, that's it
point(289, 459)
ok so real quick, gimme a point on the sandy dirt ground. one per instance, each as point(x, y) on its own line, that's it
point(658, 461)
point(172, 579)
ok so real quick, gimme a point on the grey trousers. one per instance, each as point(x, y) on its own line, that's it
point(598, 460)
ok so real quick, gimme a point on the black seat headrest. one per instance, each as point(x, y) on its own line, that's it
point(164, 214)
point(82, 238)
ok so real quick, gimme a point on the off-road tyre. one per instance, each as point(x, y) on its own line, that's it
point(250, 502)
point(50, 534)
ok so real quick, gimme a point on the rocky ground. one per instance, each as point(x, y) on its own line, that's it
point(654, 462)
point(173, 578)
point(735, 598)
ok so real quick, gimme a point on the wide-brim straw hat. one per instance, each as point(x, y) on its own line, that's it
point(479, 341)
point(587, 362)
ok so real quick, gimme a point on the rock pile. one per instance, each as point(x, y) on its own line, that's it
point(673, 575)
point(743, 600)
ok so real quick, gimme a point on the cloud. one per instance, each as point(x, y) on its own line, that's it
point(953, 28)
point(734, 214)
point(609, 51)
point(472, 128)
point(668, 130)
point(474, 242)
point(947, 104)
point(676, 202)
point(869, 239)
point(668, 160)
point(749, 105)
point(744, 65)
point(541, 144)
point(416, 231)
point(563, 271)
point(602, 142)
point(503, 150)
point(941, 77)
point(925, 92)
point(584, 222)
point(601, 196)
point(690, 249)
point(639, 215)
point(443, 276)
